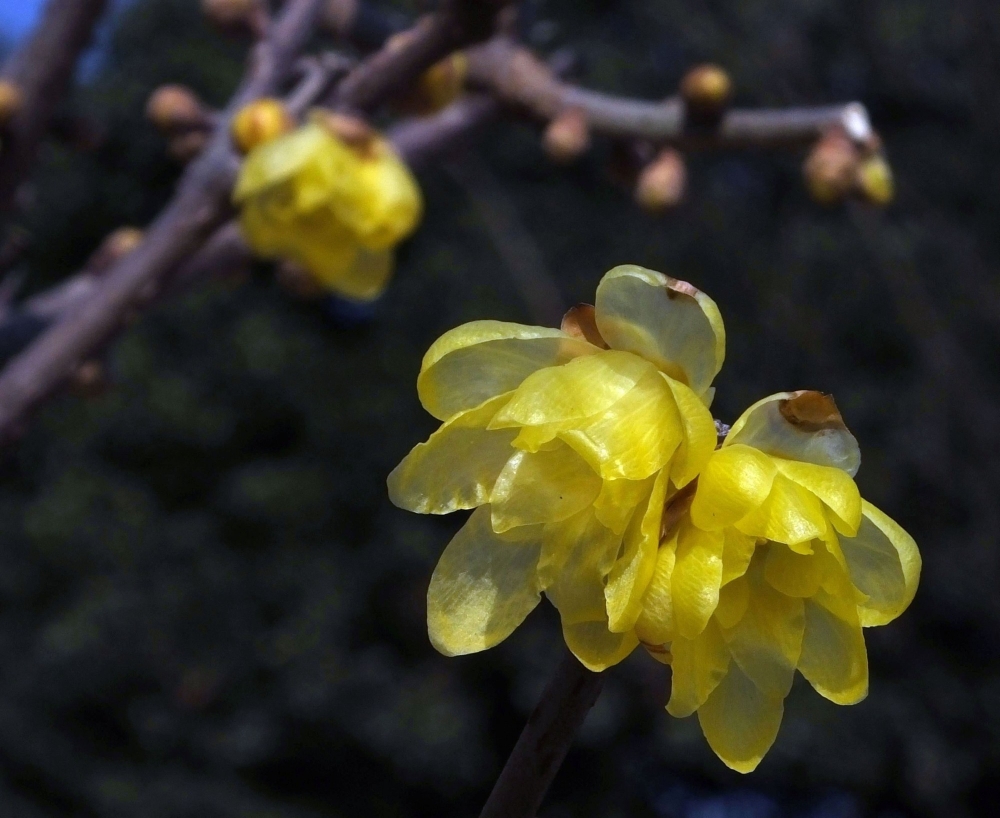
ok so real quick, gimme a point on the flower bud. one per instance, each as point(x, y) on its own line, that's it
point(706, 90)
point(662, 182)
point(260, 122)
point(438, 86)
point(116, 245)
point(228, 13)
point(567, 137)
point(352, 130)
point(298, 281)
point(186, 146)
point(175, 107)
point(89, 380)
point(873, 180)
point(830, 169)
point(11, 100)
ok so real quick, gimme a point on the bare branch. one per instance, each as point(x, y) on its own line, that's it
point(520, 79)
point(42, 70)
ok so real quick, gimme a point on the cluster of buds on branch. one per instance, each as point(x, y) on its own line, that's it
point(840, 166)
point(183, 118)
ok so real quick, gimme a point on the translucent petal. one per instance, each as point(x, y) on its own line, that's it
point(735, 481)
point(734, 599)
point(798, 426)
point(834, 659)
point(700, 435)
point(482, 359)
point(581, 389)
point(737, 551)
point(633, 570)
point(666, 321)
point(577, 555)
point(798, 575)
point(457, 466)
point(767, 641)
point(635, 437)
point(834, 487)
point(596, 647)
point(884, 564)
point(542, 487)
point(790, 515)
point(697, 667)
point(482, 588)
point(696, 579)
point(619, 499)
point(739, 721)
point(655, 625)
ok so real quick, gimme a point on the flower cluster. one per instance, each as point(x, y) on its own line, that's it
point(335, 199)
point(592, 462)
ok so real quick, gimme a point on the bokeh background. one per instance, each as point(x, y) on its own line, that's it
point(208, 606)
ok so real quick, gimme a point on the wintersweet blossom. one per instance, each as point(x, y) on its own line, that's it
point(567, 443)
point(336, 207)
point(774, 563)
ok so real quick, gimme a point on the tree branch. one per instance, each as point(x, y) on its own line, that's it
point(518, 78)
point(544, 742)
point(42, 70)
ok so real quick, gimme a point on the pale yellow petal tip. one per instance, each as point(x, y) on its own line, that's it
point(741, 765)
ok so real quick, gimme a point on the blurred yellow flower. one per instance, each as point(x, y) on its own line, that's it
point(774, 563)
point(335, 207)
point(567, 443)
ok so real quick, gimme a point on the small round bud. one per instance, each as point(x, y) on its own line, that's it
point(116, 245)
point(175, 107)
point(259, 122)
point(89, 380)
point(296, 280)
point(706, 89)
point(831, 168)
point(353, 130)
point(873, 180)
point(11, 100)
point(662, 182)
point(567, 137)
point(186, 146)
point(228, 13)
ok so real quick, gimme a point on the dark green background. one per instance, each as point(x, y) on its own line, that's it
point(208, 607)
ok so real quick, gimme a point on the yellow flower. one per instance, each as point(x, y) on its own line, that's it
point(567, 443)
point(777, 565)
point(337, 209)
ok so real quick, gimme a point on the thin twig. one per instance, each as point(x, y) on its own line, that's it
point(544, 742)
point(42, 70)
point(516, 76)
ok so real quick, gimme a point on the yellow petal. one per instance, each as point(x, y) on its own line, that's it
point(581, 389)
point(577, 555)
point(767, 641)
point(734, 599)
point(737, 551)
point(482, 588)
point(541, 487)
point(834, 487)
point(735, 481)
point(457, 466)
point(884, 564)
point(619, 499)
point(631, 573)
point(700, 435)
point(790, 515)
point(697, 667)
point(596, 647)
point(696, 578)
point(739, 721)
point(482, 359)
point(834, 659)
point(365, 279)
point(798, 575)
point(666, 321)
point(635, 437)
point(798, 426)
point(655, 625)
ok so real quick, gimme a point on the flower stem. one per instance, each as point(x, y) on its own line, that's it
point(540, 750)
